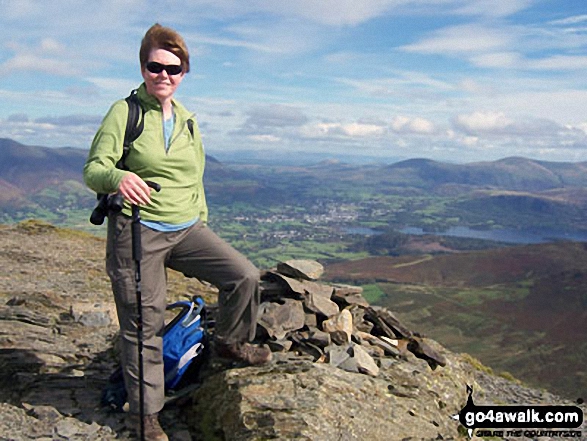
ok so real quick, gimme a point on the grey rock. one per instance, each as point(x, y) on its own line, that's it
point(352, 358)
point(316, 296)
point(311, 321)
point(279, 319)
point(365, 363)
point(359, 321)
point(421, 349)
point(67, 427)
point(318, 303)
point(44, 413)
point(389, 323)
point(319, 338)
point(301, 269)
point(287, 402)
point(337, 355)
point(382, 342)
point(284, 286)
point(95, 319)
point(349, 295)
point(341, 322)
point(24, 315)
point(279, 345)
point(339, 337)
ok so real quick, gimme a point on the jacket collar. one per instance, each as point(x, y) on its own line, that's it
point(150, 102)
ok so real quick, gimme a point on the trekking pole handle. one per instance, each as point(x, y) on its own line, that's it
point(137, 251)
point(153, 185)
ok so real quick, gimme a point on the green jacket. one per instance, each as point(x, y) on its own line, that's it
point(179, 171)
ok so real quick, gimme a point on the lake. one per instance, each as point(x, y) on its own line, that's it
point(508, 235)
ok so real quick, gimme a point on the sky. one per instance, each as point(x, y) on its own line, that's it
point(449, 80)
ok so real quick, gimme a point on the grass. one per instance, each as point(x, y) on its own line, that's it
point(372, 293)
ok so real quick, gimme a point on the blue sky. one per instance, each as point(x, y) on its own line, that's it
point(452, 80)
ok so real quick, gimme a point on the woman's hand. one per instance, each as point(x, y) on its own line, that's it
point(135, 190)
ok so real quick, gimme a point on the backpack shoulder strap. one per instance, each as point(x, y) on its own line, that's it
point(191, 126)
point(135, 124)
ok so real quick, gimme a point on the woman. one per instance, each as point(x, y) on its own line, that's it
point(174, 233)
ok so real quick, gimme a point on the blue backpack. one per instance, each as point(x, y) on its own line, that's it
point(183, 340)
point(184, 347)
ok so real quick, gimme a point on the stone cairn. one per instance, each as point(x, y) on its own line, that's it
point(332, 323)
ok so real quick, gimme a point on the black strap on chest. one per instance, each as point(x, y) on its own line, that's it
point(135, 123)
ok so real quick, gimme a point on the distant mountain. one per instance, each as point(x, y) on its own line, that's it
point(515, 173)
point(47, 183)
point(26, 169)
point(274, 157)
point(30, 168)
point(507, 192)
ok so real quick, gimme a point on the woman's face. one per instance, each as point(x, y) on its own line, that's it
point(162, 85)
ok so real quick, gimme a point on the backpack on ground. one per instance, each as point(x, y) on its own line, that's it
point(185, 346)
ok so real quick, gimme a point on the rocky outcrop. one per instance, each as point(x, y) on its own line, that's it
point(332, 323)
point(58, 348)
point(301, 399)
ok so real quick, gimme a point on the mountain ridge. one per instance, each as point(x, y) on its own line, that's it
point(511, 173)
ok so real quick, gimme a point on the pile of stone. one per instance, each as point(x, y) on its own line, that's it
point(332, 323)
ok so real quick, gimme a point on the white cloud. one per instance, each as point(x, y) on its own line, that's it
point(333, 12)
point(493, 8)
point(48, 132)
point(264, 138)
point(338, 130)
point(570, 20)
point(582, 127)
point(275, 116)
point(115, 87)
point(510, 46)
point(362, 130)
point(560, 62)
point(497, 60)
point(470, 141)
point(482, 122)
point(463, 39)
point(46, 56)
point(240, 42)
point(33, 63)
point(403, 124)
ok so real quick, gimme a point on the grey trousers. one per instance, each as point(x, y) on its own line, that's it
point(197, 252)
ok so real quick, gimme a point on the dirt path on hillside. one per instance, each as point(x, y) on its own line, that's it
point(426, 258)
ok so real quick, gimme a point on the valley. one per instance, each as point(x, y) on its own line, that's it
point(518, 308)
point(521, 310)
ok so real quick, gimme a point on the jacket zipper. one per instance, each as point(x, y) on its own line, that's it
point(177, 133)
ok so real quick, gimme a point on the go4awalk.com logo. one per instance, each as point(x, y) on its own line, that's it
point(528, 421)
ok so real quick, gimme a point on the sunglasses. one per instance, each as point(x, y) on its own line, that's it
point(157, 68)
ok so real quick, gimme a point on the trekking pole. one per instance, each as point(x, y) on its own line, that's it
point(137, 254)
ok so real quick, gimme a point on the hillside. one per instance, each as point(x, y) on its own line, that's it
point(519, 309)
point(29, 169)
point(20, 162)
point(46, 183)
point(514, 173)
point(58, 333)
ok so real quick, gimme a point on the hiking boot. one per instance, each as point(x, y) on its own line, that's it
point(244, 352)
point(153, 430)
